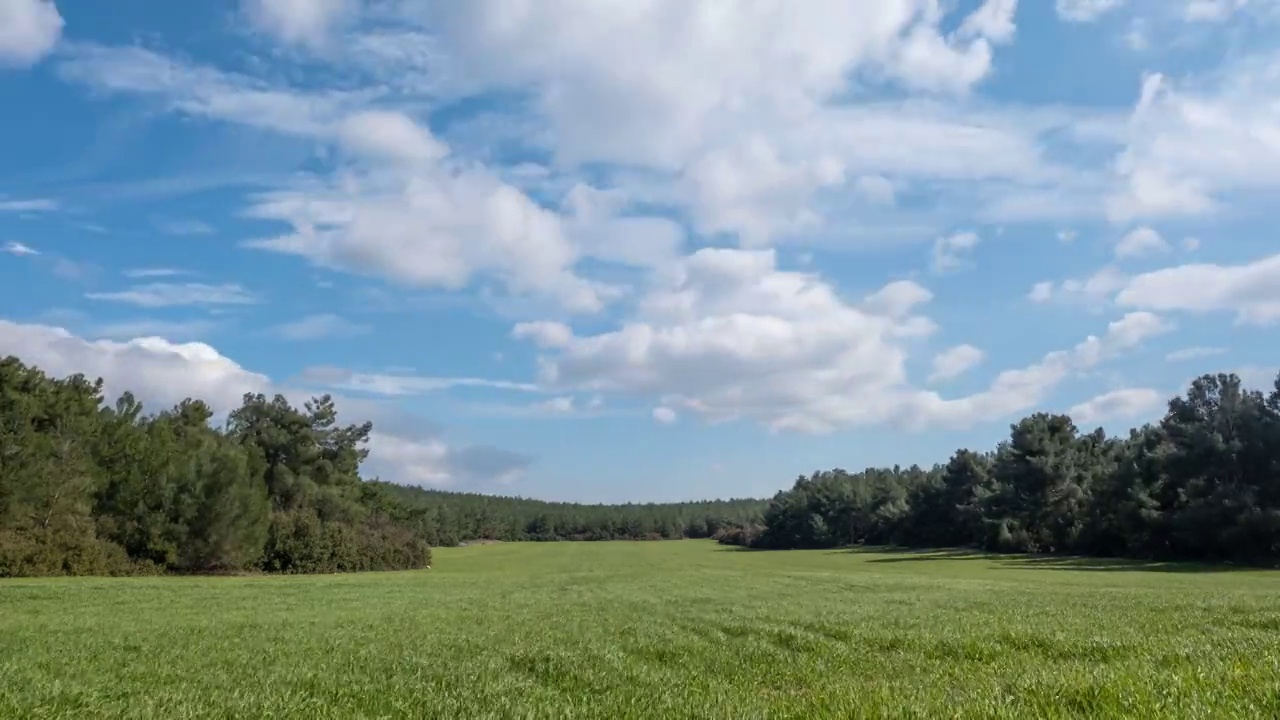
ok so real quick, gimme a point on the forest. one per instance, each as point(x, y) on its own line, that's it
point(1203, 483)
point(91, 487)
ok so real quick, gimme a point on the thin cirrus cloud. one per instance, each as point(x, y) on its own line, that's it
point(318, 327)
point(158, 295)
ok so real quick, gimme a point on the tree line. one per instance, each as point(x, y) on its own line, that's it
point(88, 487)
point(1202, 483)
point(461, 517)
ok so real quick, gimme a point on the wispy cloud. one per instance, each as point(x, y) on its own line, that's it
point(169, 330)
point(184, 227)
point(315, 327)
point(17, 248)
point(29, 205)
point(403, 385)
point(171, 294)
point(153, 272)
point(1194, 353)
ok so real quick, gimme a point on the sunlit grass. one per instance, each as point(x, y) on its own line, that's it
point(664, 629)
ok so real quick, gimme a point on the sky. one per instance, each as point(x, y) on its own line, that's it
point(645, 250)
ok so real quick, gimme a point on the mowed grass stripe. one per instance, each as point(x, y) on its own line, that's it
point(642, 630)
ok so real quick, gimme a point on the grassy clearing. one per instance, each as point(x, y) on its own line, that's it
point(673, 629)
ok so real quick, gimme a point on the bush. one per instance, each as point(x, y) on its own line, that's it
point(41, 553)
point(740, 535)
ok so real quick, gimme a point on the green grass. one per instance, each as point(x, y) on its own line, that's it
point(671, 629)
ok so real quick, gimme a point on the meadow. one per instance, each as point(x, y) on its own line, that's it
point(660, 629)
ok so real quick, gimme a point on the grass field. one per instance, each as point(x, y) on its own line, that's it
point(666, 629)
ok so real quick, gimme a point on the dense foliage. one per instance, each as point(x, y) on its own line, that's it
point(89, 488)
point(93, 489)
point(1202, 483)
point(459, 517)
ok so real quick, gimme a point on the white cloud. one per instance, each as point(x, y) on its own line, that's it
point(897, 299)
point(951, 252)
point(388, 135)
point(30, 204)
point(1139, 242)
point(543, 333)
point(1212, 10)
point(17, 248)
point(185, 227)
point(1018, 390)
point(1194, 353)
point(29, 30)
point(727, 335)
point(1085, 10)
point(300, 22)
point(207, 93)
point(993, 20)
point(396, 385)
point(1194, 144)
point(157, 371)
point(156, 295)
point(152, 272)
point(1251, 290)
point(648, 83)
point(430, 462)
point(665, 415)
point(433, 225)
point(316, 327)
point(1126, 404)
point(557, 406)
point(404, 211)
point(876, 189)
point(954, 362)
point(1093, 291)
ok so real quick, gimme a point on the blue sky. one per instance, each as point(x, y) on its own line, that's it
point(657, 250)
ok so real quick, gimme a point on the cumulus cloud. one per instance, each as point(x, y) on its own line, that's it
point(300, 22)
point(951, 253)
point(1095, 291)
point(648, 83)
point(1139, 242)
point(159, 372)
point(1085, 10)
point(1212, 10)
point(665, 415)
point(1041, 292)
point(29, 30)
point(1251, 291)
point(954, 362)
point(1126, 404)
point(544, 333)
point(1166, 169)
point(727, 335)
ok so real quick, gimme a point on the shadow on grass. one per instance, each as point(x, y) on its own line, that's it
point(1071, 563)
